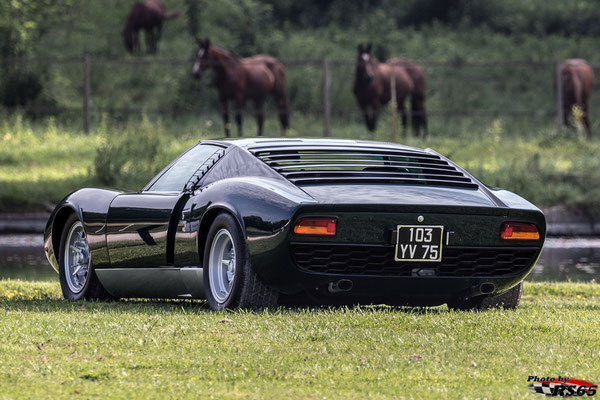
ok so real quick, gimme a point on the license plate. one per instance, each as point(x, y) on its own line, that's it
point(419, 243)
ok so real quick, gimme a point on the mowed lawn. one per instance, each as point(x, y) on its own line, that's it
point(51, 348)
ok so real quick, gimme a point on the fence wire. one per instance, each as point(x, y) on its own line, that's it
point(126, 87)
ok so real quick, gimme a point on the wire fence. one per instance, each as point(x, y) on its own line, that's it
point(90, 86)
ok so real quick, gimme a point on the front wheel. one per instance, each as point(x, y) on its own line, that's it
point(508, 300)
point(229, 279)
point(77, 277)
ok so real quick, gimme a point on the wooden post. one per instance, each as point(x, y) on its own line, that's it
point(86, 94)
point(394, 103)
point(560, 114)
point(326, 100)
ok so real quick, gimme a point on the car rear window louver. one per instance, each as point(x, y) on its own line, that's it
point(306, 165)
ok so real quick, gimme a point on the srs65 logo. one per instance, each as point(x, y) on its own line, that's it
point(561, 386)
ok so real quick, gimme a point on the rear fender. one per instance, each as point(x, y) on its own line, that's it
point(263, 214)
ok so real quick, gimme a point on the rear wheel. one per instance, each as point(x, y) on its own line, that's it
point(229, 279)
point(508, 300)
point(77, 277)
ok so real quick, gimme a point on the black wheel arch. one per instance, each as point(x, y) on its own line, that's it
point(207, 219)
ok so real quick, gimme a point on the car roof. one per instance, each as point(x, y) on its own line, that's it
point(247, 143)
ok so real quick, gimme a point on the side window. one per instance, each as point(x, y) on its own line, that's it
point(175, 178)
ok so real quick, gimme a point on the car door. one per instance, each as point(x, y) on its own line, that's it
point(141, 226)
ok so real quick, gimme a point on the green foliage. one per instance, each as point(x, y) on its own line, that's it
point(19, 88)
point(137, 349)
point(23, 23)
point(128, 156)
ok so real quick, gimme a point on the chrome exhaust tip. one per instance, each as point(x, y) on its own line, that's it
point(487, 288)
point(343, 285)
point(483, 289)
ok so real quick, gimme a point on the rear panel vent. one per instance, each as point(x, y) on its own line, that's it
point(310, 164)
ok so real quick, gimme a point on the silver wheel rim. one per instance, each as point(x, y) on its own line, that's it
point(221, 266)
point(77, 258)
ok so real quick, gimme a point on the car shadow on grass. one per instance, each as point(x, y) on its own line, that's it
point(151, 307)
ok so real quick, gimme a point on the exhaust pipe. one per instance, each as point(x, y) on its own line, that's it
point(343, 285)
point(483, 289)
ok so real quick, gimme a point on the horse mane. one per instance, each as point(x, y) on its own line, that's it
point(227, 53)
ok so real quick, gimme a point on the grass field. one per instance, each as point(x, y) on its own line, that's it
point(40, 162)
point(52, 348)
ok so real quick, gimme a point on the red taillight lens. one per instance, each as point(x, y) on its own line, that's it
point(316, 226)
point(519, 231)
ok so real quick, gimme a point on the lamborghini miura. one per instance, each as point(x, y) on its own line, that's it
point(253, 223)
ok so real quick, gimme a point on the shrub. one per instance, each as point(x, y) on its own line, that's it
point(129, 158)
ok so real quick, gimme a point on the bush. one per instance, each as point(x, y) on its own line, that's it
point(20, 89)
point(128, 159)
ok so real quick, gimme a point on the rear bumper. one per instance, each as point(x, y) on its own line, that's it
point(362, 251)
point(419, 291)
point(399, 285)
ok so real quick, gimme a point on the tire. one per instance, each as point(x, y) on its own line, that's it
point(82, 283)
point(508, 300)
point(229, 279)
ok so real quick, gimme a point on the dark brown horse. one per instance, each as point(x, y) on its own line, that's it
point(577, 82)
point(147, 15)
point(240, 79)
point(417, 95)
point(372, 88)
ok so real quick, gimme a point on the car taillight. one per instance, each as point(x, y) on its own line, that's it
point(519, 231)
point(316, 226)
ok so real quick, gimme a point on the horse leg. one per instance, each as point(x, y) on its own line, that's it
point(419, 119)
point(282, 109)
point(586, 121)
point(225, 111)
point(567, 114)
point(157, 35)
point(376, 108)
point(136, 42)
point(149, 35)
point(239, 107)
point(367, 119)
point(402, 111)
point(260, 114)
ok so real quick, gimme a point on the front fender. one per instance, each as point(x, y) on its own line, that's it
point(91, 206)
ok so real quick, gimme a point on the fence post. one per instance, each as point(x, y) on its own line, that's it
point(394, 104)
point(326, 100)
point(86, 94)
point(559, 97)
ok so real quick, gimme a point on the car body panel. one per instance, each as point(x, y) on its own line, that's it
point(138, 228)
point(149, 244)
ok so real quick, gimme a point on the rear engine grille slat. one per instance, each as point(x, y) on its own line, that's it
point(438, 164)
point(343, 174)
point(311, 149)
point(366, 168)
point(326, 164)
point(379, 260)
point(367, 179)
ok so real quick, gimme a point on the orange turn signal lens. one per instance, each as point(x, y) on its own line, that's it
point(519, 231)
point(316, 226)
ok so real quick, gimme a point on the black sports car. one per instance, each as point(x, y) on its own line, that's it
point(250, 222)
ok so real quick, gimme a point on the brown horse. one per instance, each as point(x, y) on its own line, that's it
point(147, 15)
point(417, 95)
point(240, 79)
point(577, 82)
point(372, 86)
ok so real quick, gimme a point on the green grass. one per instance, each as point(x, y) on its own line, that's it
point(53, 348)
point(40, 162)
